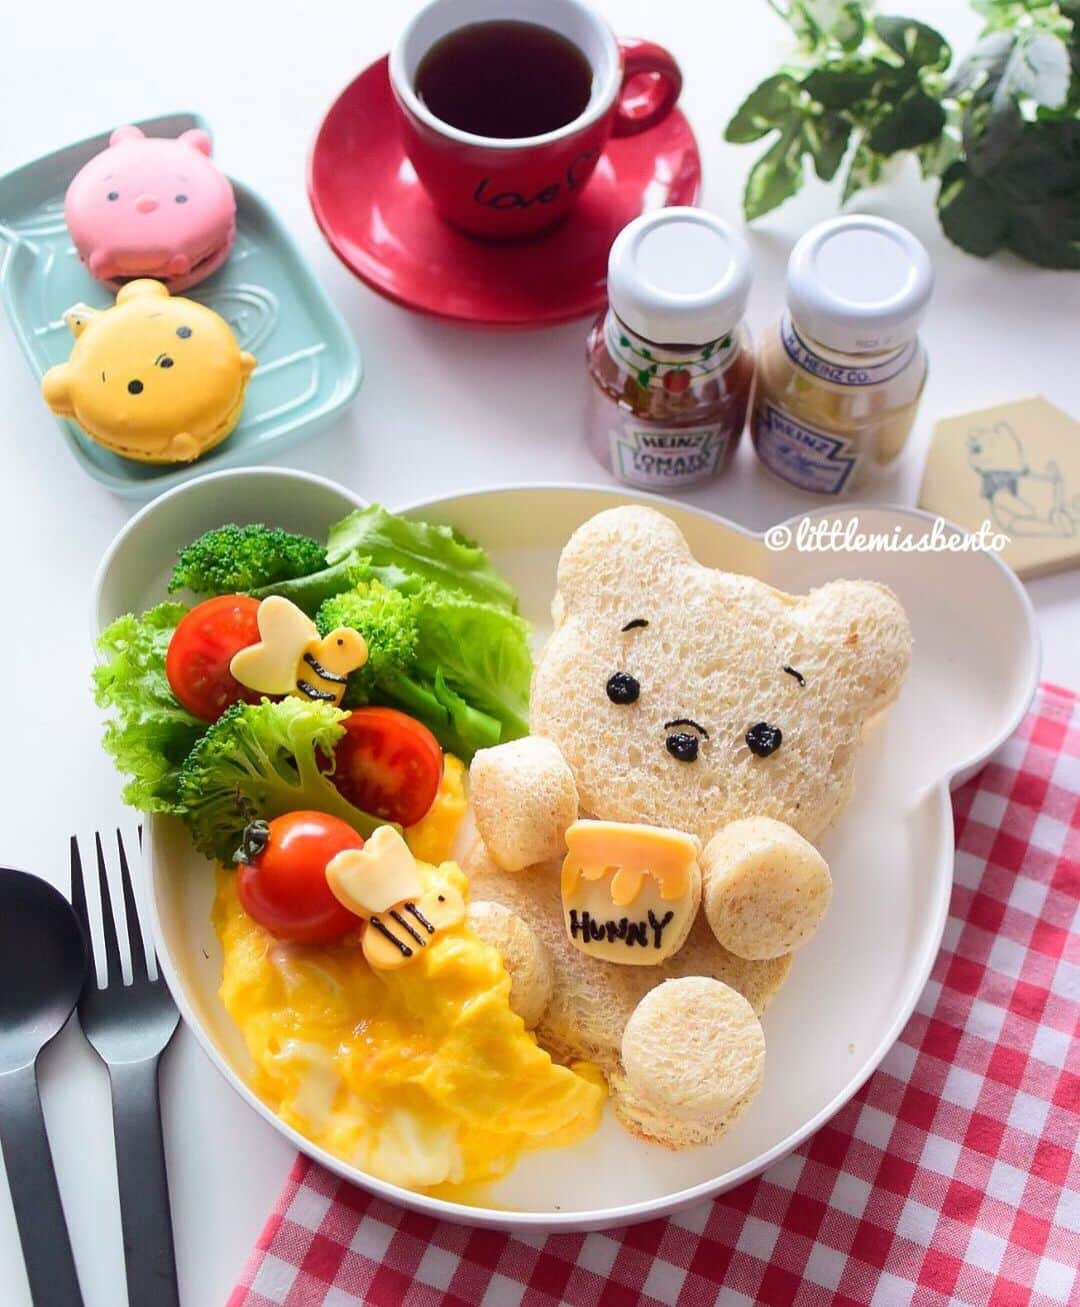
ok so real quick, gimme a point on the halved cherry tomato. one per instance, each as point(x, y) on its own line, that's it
point(283, 884)
point(201, 649)
point(388, 764)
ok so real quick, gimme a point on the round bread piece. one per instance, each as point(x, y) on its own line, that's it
point(524, 798)
point(694, 1055)
point(524, 957)
point(766, 888)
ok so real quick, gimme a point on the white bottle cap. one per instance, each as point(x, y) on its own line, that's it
point(679, 276)
point(859, 284)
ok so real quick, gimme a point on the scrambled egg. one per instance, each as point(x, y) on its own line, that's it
point(421, 1076)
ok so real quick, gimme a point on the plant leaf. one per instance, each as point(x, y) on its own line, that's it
point(1030, 203)
point(826, 139)
point(1037, 67)
point(767, 107)
point(820, 23)
point(970, 213)
point(983, 62)
point(777, 175)
point(914, 42)
point(840, 85)
point(863, 171)
point(915, 120)
point(1029, 65)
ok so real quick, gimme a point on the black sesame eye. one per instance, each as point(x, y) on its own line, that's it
point(683, 746)
point(183, 332)
point(135, 387)
point(164, 361)
point(113, 195)
point(763, 739)
point(181, 199)
point(622, 688)
point(340, 643)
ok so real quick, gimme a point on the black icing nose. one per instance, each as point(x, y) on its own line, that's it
point(622, 688)
point(683, 745)
point(764, 739)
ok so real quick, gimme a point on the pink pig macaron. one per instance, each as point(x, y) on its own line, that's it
point(150, 206)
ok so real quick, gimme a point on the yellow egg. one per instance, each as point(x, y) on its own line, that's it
point(422, 1076)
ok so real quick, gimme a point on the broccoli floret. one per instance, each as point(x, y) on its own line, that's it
point(262, 761)
point(387, 621)
point(233, 559)
point(395, 674)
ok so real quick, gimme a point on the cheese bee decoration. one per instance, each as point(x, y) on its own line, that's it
point(382, 884)
point(291, 658)
point(629, 892)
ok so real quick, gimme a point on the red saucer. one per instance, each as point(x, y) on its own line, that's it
point(380, 223)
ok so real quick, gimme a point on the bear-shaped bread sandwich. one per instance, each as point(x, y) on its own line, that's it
point(693, 731)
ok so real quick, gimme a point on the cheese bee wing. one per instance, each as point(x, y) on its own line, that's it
point(269, 667)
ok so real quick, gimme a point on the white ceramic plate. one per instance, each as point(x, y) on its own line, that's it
point(851, 990)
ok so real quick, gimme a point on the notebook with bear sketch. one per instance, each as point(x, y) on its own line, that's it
point(1016, 466)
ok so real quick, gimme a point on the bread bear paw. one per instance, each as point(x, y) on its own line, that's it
point(766, 888)
point(523, 955)
point(524, 798)
point(693, 1057)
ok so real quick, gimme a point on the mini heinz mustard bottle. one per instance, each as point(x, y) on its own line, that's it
point(670, 361)
point(840, 376)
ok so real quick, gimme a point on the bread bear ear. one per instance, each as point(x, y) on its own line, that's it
point(198, 140)
point(56, 390)
point(865, 636)
point(126, 133)
point(622, 549)
point(143, 288)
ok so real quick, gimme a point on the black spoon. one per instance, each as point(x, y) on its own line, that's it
point(42, 969)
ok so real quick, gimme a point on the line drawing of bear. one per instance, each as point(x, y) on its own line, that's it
point(1023, 501)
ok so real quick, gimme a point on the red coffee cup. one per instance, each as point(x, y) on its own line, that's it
point(505, 189)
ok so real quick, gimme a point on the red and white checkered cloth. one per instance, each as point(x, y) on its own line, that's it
point(953, 1176)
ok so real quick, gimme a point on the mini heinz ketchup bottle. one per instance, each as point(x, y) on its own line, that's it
point(670, 361)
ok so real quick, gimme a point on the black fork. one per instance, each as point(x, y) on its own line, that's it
point(129, 1025)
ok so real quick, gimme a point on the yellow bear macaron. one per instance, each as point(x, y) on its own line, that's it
point(156, 378)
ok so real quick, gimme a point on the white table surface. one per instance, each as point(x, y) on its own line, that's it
point(440, 410)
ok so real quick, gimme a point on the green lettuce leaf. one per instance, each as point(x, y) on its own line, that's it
point(425, 549)
point(147, 732)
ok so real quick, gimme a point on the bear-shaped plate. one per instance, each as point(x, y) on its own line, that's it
point(308, 364)
point(851, 989)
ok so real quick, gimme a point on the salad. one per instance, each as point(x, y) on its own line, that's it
point(446, 667)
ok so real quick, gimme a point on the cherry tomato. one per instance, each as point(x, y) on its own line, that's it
point(283, 884)
point(388, 764)
point(201, 649)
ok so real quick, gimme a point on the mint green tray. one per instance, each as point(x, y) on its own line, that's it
point(309, 367)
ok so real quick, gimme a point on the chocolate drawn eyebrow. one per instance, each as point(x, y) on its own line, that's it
point(635, 624)
point(797, 675)
point(687, 721)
